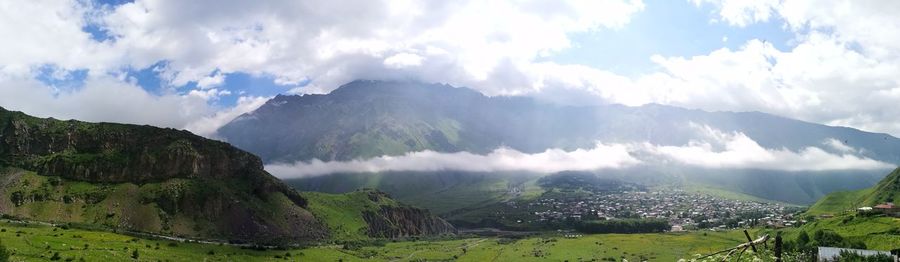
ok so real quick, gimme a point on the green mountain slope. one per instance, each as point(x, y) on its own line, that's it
point(365, 214)
point(164, 181)
point(364, 119)
point(887, 190)
point(440, 192)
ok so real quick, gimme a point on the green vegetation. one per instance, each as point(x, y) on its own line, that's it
point(854, 257)
point(838, 202)
point(343, 213)
point(875, 232)
point(4, 253)
point(40, 243)
point(887, 190)
point(624, 226)
point(453, 194)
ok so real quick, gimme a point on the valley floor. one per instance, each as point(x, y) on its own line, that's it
point(42, 243)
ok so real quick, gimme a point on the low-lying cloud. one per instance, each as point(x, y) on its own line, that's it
point(502, 159)
point(714, 149)
point(737, 150)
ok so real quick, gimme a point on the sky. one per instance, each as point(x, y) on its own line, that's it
point(197, 65)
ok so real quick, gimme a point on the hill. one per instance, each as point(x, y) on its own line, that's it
point(887, 190)
point(165, 181)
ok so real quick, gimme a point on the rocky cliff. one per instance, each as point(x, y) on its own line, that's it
point(397, 222)
point(369, 213)
point(166, 181)
point(144, 178)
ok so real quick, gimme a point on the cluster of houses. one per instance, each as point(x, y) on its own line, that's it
point(684, 210)
point(888, 209)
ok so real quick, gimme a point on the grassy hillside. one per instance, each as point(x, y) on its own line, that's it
point(40, 243)
point(170, 182)
point(180, 207)
point(439, 192)
point(881, 233)
point(839, 202)
point(887, 190)
point(343, 212)
point(876, 231)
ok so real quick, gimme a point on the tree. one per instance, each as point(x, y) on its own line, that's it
point(4, 254)
point(802, 239)
point(854, 257)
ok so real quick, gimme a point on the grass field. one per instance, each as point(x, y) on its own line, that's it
point(40, 243)
point(343, 212)
point(838, 202)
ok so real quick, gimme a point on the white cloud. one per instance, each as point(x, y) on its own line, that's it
point(332, 42)
point(208, 125)
point(736, 150)
point(329, 43)
point(106, 99)
point(402, 60)
point(840, 70)
point(839, 146)
point(716, 149)
point(211, 81)
point(742, 12)
point(501, 159)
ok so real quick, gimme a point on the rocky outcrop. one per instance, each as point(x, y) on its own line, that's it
point(405, 221)
point(190, 185)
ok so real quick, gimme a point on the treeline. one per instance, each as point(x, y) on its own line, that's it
point(805, 243)
point(627, 226)
point(624, 226)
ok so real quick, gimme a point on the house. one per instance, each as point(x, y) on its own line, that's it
point(887, 209)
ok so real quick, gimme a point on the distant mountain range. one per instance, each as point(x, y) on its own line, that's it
point(165, 181)
point(366, 119)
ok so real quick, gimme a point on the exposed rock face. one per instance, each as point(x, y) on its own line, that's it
point(106, 152)
point(186, 184)
point(404, 221)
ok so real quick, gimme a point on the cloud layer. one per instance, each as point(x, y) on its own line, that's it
point(839, 69)
point(502, 159)
point(716, 150)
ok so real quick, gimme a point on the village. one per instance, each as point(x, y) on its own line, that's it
point(683, 210)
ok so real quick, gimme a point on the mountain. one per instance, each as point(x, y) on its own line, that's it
point(166, 181)
point(887, 190)
point(365, 119)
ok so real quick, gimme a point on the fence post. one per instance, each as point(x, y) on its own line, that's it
point(778, 247)
point(750, 240)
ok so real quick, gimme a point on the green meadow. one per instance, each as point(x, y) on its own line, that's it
point(42, 243)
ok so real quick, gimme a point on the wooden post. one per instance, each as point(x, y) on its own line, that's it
point(778, 246)
point(750, 240)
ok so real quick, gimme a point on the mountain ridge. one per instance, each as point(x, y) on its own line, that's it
point(399, 117)
point(170, 182)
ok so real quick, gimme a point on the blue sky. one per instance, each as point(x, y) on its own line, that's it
point(666, 28)
point(832, 67)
